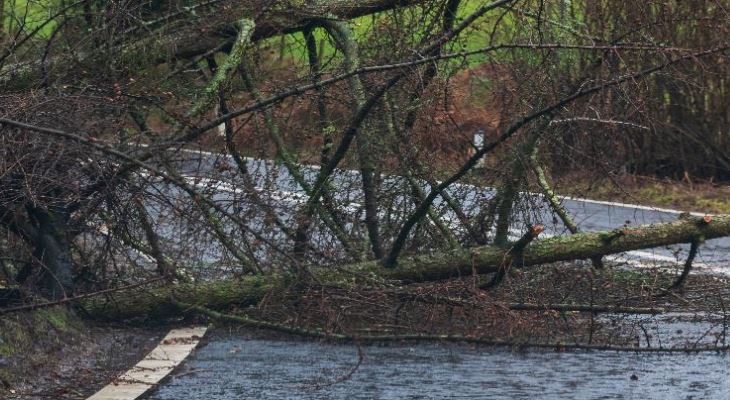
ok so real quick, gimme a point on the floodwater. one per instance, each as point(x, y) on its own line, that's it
point(234, 367)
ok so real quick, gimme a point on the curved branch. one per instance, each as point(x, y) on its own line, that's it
point(694, 247)
point(224, 72)
point(345, 40)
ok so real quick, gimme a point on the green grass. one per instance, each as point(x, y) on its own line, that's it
point(699, 196)
point(18, 332)
point(29, 15)
point(702, 199)
point(511, 28)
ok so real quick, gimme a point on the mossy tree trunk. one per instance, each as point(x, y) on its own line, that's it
point(162, 301)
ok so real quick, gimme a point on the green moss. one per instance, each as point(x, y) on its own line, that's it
point(225, 71)
point(59, 319)
point(19, 332)
point(695, 200)
point(632, 278)
point(625, 276)
point(14, 336)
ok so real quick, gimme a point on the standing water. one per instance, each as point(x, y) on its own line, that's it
point(238, 368)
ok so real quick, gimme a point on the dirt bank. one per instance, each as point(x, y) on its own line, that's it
point(52, 354)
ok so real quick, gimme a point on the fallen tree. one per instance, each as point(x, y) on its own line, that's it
point(282, 18)
point(246, 241)
point(212, 28)
point(165, 300)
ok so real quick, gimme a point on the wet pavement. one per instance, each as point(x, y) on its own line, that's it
point(234, 367)
point(237, 367)
point(280, 190)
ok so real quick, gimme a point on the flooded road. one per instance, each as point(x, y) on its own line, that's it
point(232, 367)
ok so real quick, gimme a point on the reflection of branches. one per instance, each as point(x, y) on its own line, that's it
point(422, 338)
point(350, 373)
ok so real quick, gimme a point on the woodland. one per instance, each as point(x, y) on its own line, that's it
point(350, 169)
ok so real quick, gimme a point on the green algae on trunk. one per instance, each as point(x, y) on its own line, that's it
point(165, 300)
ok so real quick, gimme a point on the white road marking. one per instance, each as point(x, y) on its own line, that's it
point(280, 195)
point(578, 199)
point(634, 206)
point(148, 373)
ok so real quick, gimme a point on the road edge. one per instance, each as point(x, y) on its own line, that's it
point(154, 367)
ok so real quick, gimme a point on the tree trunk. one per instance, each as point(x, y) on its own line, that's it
point(52, 250)
point(215, 28)
point(158, 301)
point(285, 18)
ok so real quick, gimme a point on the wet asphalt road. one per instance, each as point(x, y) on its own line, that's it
point(274, 181)
point(237, 367)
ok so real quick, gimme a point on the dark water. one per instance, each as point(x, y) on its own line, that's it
point(238, 368)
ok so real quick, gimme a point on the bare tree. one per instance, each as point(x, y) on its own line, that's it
point(269, 141)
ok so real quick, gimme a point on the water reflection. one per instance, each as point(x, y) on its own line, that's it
point(264, 369)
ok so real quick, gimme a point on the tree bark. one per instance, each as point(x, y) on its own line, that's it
point(161, 301)
point(214, 28)
point(52, 251)
point(282, 19)
point(345, 41)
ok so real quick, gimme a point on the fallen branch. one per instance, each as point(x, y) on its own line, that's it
point(687, 265)
point(340, 337)
point(592, 308)
point(35, 306)
point(249, 290)
point(585, 308)
point(514, 254)
point(554, 201)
